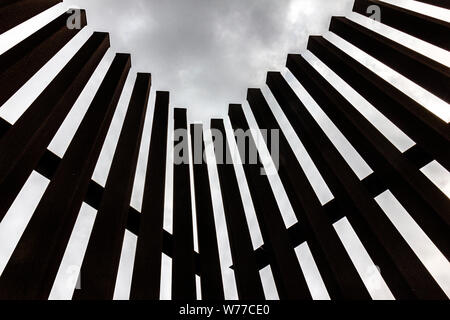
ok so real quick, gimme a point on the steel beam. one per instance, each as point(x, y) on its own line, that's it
point(26, 141)
point(147, 264)
point(33, 266)
point(398, 264)
point(14, 12)
point(335, 266)
point(424, 27)
point(248, 280)
point(431, 133)
point(101, 261)
point(21, 62)
point(183, 263)
point(210, 272)
point(289, 279)
point(420, 197)
point(424, 71)
point(47, 167)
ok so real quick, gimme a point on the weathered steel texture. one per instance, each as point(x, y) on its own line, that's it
point(210, 272)
point(424, 71)
point(183, 261)
point(32, 269)
point(14, 12)
point(147, 263)
point(335, 266)
point(289, 279)
point(424, 27)
point(431, 133)
point(420, 197)
point(21, 62)
point(101, 261)
point(26, 141)
point(248, 280)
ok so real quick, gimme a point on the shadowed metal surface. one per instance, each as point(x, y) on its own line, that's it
point(33, 266)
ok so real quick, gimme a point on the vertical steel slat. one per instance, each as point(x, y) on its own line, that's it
point(14, 12)
point(420, 197)
point(425, 128)
point(424, 27)
point(397, 262)
point(32, 269)
point(210, 272)
point(101, 261)
point(26, 141)
point(335, 266)
point(289, 279)
point(147, 264)
point(21, 62)
point(248, 280)
point(183, 262)
point(429, 74)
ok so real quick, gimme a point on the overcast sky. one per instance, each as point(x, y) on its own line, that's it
point(207, 53)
